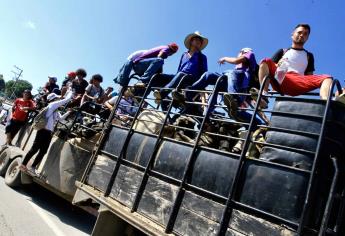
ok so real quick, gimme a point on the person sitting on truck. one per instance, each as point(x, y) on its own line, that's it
point(127, 107)
point(145, 63)
point(67, 82)
point(20, 109)
point(93, 96)
point(238, 80)
point(79, 85)
point(51, 86)
point(291, 70)
point(43, 136)
point(193, 64)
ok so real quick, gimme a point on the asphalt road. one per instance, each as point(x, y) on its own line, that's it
point(34, 211)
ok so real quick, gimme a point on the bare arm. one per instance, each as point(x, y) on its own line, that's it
point(108, 105)
point(232, 60)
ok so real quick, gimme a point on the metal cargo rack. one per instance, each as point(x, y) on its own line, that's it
point(195, 189)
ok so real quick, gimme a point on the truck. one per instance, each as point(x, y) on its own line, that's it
point(167, 172)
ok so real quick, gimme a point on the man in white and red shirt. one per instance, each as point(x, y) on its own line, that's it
point(293, 68)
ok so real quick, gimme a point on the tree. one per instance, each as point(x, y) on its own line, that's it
point(2, 83)
point(17, 87)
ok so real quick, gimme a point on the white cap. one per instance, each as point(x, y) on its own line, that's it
point(52, 96)
point(245, 50)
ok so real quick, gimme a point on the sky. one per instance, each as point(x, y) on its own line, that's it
point(54, 37)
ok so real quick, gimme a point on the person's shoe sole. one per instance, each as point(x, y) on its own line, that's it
point(157, 96)
point(231, 103)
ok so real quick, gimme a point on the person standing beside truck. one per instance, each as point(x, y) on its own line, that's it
point(20, 110)
point(44, 135)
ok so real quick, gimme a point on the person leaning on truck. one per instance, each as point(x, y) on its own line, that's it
point(20, 110)
point(145, 63)
point(44, 136)
point(292, 68)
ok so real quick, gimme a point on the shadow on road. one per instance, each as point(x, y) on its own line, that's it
point(59, 207)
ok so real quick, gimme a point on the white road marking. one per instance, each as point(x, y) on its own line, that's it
point(46, 219)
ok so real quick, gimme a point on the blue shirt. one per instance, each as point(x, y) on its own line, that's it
point(195, 65)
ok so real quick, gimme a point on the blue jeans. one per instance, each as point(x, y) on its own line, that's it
point(238, 82)
point(146, 68)
point(123, 76)
point(177, 82)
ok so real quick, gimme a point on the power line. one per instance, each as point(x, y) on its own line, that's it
point(17, 74)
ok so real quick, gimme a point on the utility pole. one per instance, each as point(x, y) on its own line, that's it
point(17, 74)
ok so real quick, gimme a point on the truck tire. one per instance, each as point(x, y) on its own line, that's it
point(4, 161)
point(12, 177)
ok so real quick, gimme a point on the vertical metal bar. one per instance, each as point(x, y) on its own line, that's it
point(191, 160)
point(144, 180)
point(130, 131)
point(329, 204)
point(102, 138)
point(106, 130)
point(229, 206)
point(311, 183)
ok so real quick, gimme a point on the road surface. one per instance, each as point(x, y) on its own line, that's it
point(34, 211)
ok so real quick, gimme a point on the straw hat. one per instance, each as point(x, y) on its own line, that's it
point(195, 34)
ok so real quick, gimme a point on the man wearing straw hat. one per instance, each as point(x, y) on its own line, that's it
point(192, 63)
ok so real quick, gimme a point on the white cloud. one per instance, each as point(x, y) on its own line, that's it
point(29, 25)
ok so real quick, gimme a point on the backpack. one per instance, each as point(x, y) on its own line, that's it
point(40, 121)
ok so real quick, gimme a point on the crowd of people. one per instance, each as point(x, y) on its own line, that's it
point(290, 72)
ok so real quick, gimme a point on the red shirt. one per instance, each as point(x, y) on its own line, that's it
point(18, 114)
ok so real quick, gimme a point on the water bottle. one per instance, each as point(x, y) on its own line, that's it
point(281, 71)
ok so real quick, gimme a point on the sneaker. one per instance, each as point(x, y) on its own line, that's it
point(254, 93)
point(232, 105)
point(341, 98)
point(158, 97)
point(140, 85)
point(178, 96)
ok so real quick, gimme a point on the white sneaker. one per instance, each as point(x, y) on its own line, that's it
point(341, 98)
point(157, 96)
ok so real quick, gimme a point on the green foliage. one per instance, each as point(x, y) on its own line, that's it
point(2, 83)
point(17, 87)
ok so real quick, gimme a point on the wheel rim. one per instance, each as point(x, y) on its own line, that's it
point(14, 169)
point(2, 159)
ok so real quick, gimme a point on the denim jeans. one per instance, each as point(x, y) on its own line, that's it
point(123, 76)
point(178, 83)
point(146, 68)
point(237, 82)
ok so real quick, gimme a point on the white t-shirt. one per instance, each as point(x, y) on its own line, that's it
point(296, 61)
point(136, 54)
